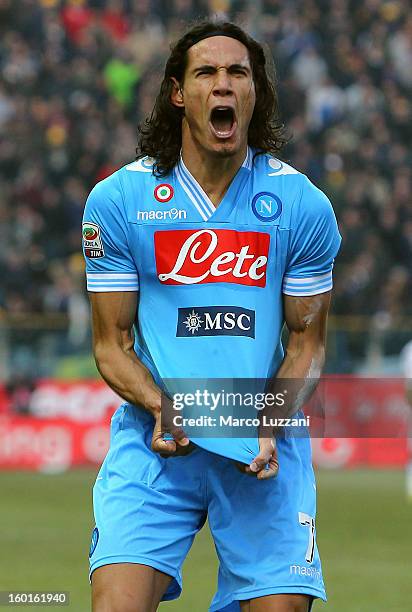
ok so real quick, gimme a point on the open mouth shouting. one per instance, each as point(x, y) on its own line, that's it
point(223, 122)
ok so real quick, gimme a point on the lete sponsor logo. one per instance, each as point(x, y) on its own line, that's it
point(188, 257)
point(215, 321)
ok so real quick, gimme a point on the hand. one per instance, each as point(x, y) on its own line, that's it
point(180, 445)
point(265, 465)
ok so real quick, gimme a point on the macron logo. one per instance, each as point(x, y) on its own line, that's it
point(161, 215)
point(302, 570)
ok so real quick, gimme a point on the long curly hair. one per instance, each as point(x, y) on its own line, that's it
point(160, 136)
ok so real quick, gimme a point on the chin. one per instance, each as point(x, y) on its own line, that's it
point(226, 149)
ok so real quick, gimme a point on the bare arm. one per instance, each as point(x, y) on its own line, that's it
point(299, 373)
point(113, 315)
point(306, 319)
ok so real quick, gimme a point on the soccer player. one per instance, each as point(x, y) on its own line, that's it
point(197, 253)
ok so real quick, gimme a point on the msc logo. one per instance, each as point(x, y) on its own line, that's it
point(266, 206)
point(215, 321)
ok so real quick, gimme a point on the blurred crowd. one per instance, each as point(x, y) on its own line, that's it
point(77, 76)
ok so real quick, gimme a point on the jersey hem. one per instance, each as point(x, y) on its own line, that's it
point(162, 567)
point(252, 593)
point(231, 457)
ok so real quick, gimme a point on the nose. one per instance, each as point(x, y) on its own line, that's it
point(222, 84)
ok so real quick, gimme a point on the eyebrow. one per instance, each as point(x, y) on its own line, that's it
point(210, 68)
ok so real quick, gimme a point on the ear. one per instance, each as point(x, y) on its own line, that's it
point(176, 97)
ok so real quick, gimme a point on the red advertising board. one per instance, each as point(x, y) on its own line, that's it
point(67, 425)
point(28, 443)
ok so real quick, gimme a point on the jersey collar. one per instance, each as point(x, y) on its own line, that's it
point(194, 191)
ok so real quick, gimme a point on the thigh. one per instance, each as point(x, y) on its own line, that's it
point(128, 587)
point(277, 603)
point(147, 509)
point(264, 531)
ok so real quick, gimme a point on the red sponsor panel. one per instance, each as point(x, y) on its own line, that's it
point(351, 407)
point(335, 453)
point(27, 443)
point(365, 425)
point(84, 401)
point(188, 257)
point(67, 425)
point(4, 401)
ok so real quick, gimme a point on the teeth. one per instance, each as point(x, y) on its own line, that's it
point(223, 119)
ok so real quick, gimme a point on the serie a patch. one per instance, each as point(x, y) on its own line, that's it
point(92, 240)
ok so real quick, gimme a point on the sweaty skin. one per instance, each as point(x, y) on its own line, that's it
point(113, 316)
point(306, 319)
point(218, 74)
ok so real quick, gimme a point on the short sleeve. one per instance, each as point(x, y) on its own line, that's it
point(109, 264)
point(313, 246)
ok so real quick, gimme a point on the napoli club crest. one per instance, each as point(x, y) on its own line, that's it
point(266, 206)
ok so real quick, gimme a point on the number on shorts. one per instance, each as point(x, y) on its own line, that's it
point(309, 521)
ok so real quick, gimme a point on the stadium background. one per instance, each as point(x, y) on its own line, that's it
point(75, 79)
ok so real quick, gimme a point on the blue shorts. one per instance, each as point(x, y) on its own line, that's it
point(148, 510)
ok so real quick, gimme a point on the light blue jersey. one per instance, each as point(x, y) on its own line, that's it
point(210, 279)
point(210, 285)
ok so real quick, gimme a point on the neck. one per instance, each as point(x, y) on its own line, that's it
point(214, 173)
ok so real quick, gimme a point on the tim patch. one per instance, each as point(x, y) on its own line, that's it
point(92, 241)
